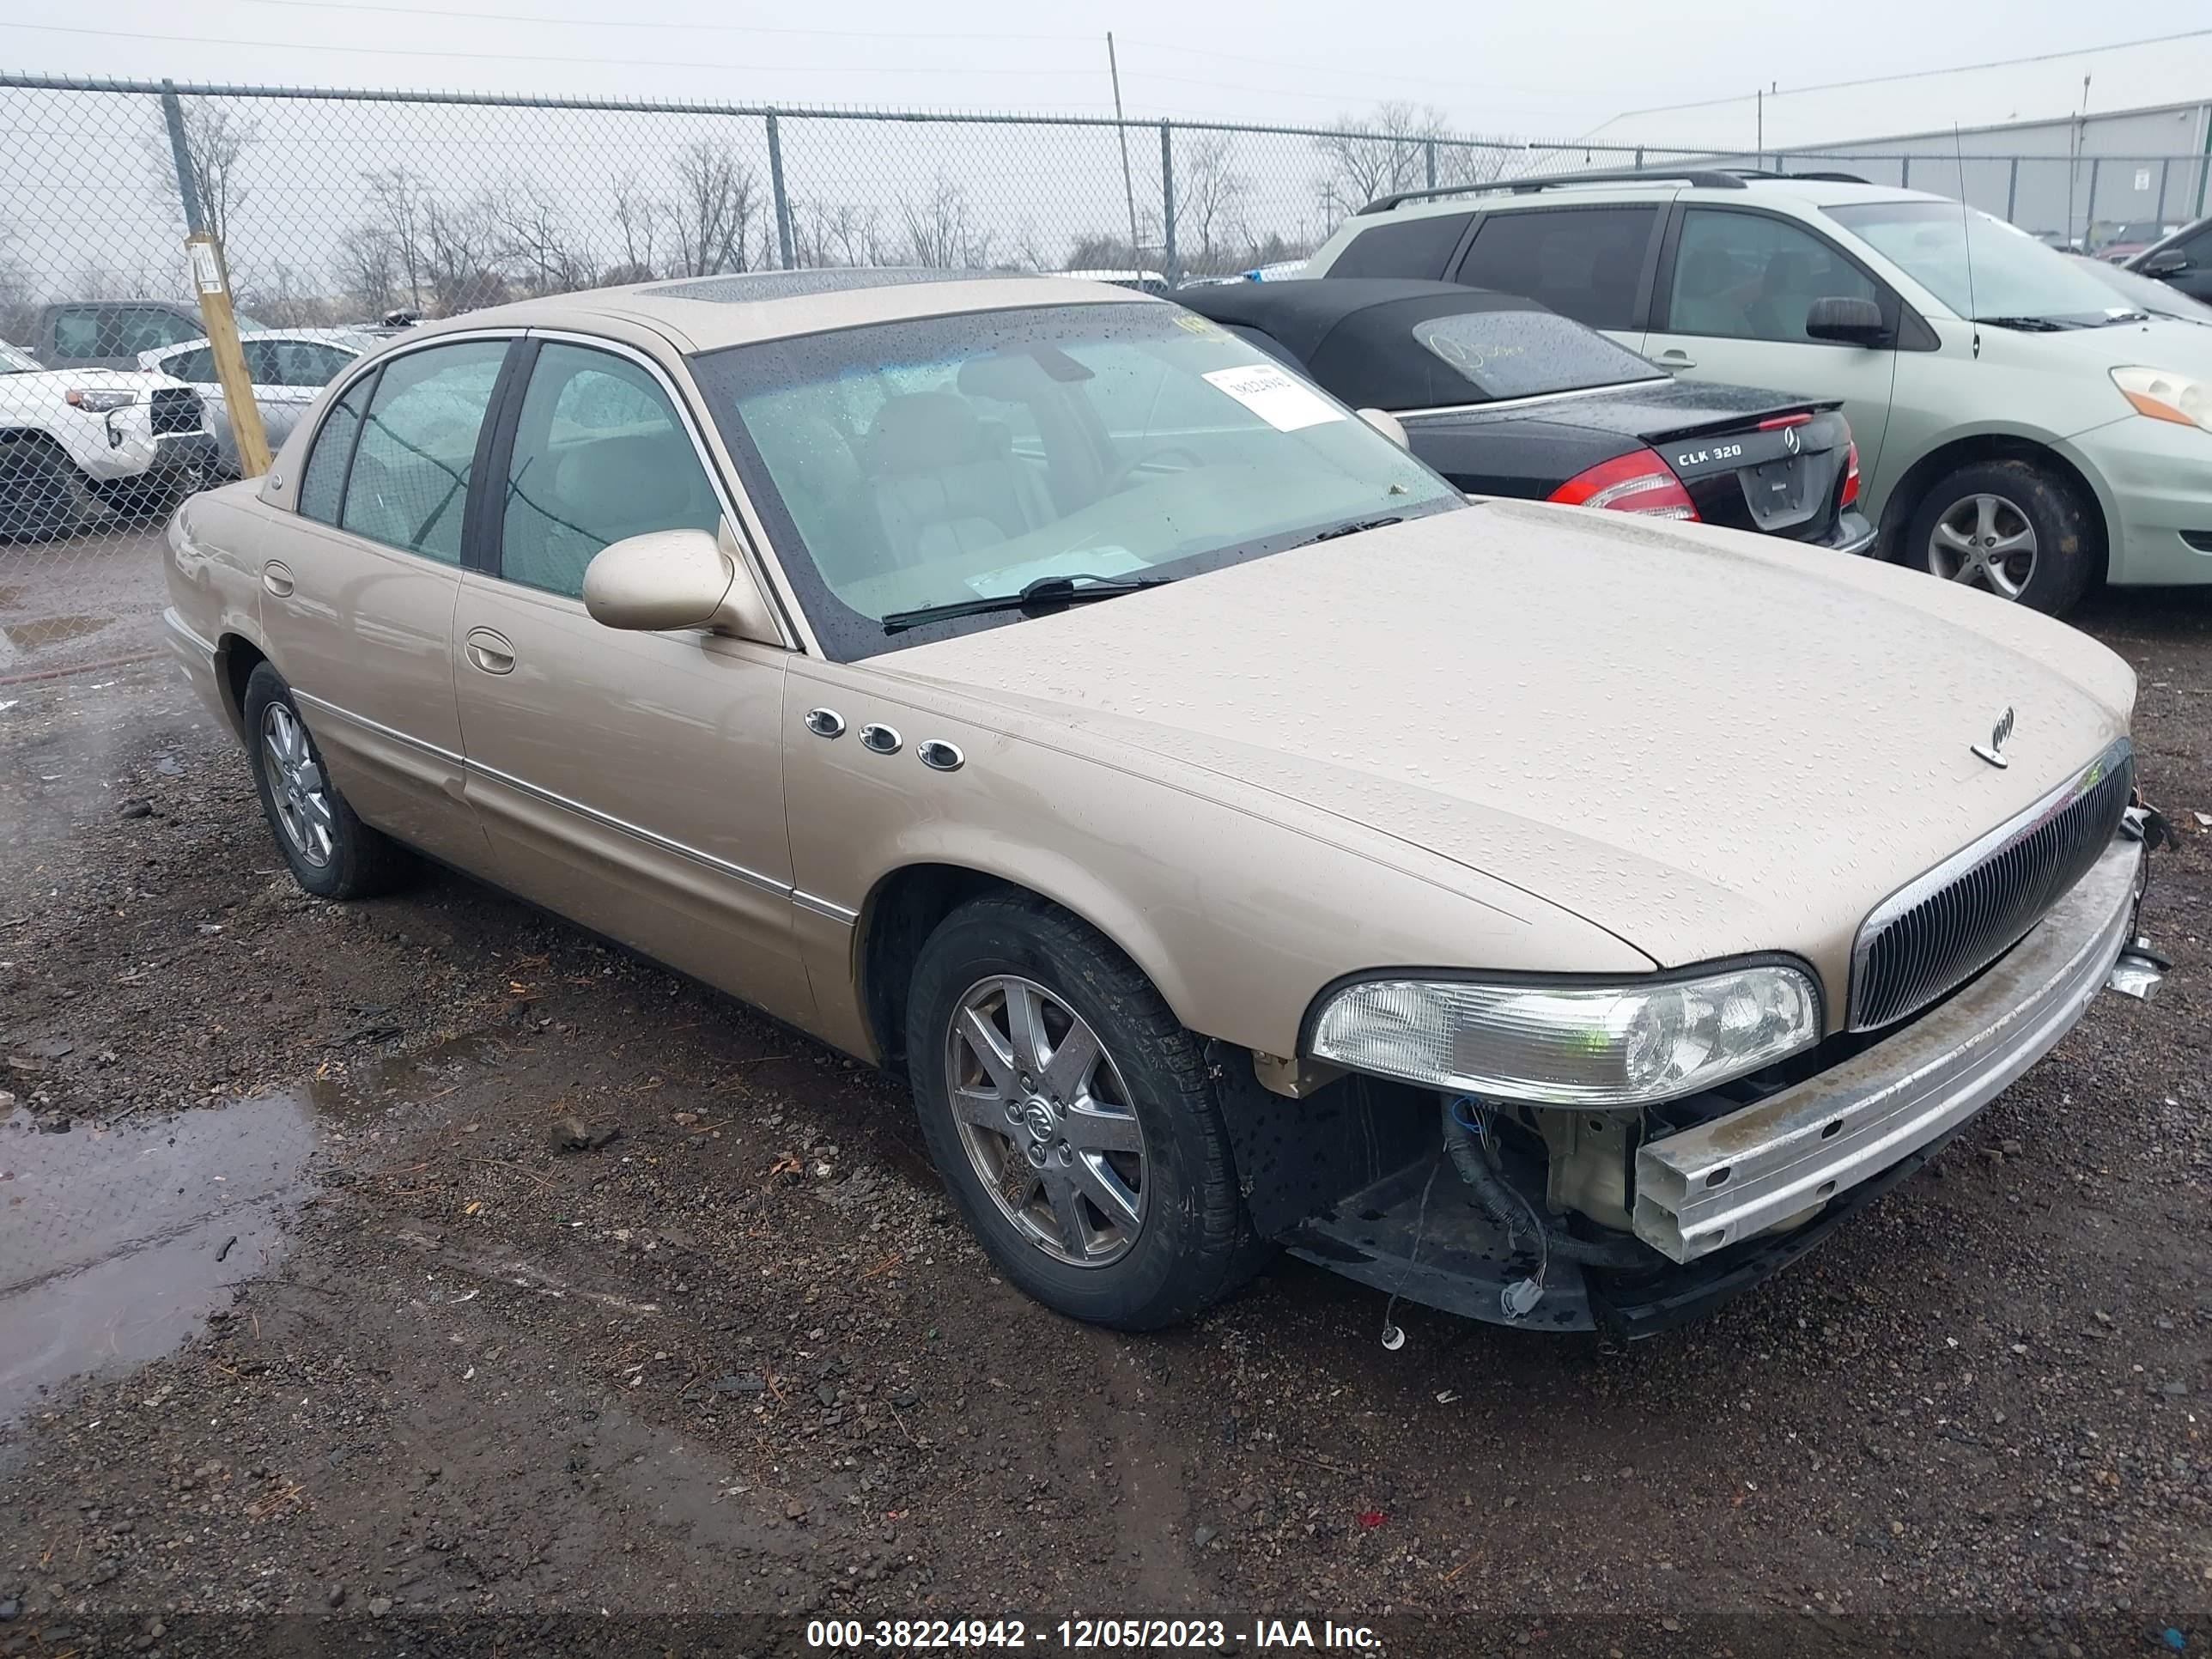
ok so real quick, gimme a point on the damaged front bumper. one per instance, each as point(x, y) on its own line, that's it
point(1735, 1198)
point(1727, 1180)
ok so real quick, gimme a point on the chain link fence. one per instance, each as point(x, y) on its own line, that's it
point(337, 210)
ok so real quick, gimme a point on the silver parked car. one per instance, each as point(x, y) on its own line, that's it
point(290, 367)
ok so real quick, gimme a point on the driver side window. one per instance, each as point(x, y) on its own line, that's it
point(1745, 277)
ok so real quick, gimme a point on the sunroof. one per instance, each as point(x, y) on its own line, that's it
point(797, 284)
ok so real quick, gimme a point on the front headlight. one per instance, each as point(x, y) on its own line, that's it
point(1571, 1045)
point(2166, 396)
point(99, 399)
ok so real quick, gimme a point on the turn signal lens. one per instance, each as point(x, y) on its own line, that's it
point(1638, 481)
point(2166, 396)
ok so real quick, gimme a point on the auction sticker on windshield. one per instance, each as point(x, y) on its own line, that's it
point(1274, 396)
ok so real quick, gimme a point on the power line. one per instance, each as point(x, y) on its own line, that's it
point(549, 58)
point(629, 23)
point(1916, 74)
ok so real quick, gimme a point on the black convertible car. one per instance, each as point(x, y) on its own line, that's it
point(1505, 398)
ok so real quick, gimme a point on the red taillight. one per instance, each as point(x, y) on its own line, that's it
point(1851, 475)
point(1781, 421)
point(1638, 481)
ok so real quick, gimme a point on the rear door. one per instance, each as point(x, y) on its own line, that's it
point(1730, 303)
point(358, 602)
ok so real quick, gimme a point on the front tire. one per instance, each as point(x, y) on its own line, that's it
point(1073, 1118)
point(2011, 528)
point(42, 495)
point(331, 852)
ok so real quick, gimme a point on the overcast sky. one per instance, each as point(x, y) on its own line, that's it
point(1528, 70)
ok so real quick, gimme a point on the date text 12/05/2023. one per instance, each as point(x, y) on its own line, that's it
point(1078, 1635)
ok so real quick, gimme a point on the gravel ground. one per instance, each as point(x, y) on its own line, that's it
point(379, 1368)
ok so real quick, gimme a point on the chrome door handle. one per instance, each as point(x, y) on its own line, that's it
point(276, 579)
point(491, 651)
point(1674, 357)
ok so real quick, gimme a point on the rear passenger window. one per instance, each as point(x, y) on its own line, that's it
point(324, 479)
point(1584, 263)
point(1415, 246)
point(410, 484)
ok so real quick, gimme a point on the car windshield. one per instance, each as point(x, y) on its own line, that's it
point(1526, 354)
point(15, 361)
point(931, 462)
point(2145, 293)
point(1981, 267)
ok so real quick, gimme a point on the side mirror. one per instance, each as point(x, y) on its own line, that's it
point(1386, 423)
point(1851, 321)
point(2167, 262)
point(670, 579)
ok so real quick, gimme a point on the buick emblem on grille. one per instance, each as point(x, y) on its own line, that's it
point(1994, 754)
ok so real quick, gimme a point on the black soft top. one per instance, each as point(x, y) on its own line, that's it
point(1355, 334)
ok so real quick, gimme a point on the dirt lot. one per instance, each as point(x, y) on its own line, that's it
point(379, 1370)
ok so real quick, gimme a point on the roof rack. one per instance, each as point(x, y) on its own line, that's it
point(1817, 178)
point(1704, 178)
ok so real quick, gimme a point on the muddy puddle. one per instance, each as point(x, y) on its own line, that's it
point(116, 1242)
point(53, 630)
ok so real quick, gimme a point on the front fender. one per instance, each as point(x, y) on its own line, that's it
point(1238, 905)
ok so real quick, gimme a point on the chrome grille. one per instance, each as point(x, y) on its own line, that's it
point(176, 409)
point(1941, 929)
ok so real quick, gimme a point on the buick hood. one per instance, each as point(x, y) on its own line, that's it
point(1704, 741)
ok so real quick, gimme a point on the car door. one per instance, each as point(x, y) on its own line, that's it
point(357, 601)
point(1730, 305)
point(633, 781)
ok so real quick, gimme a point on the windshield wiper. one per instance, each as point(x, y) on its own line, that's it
point(1044, 594)
point(1351, 529)
point(2029, 325)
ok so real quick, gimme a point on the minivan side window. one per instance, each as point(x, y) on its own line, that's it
point(1420, 246)
point(1746, 277)
point(410, 484)
point(1585, 263)
point(599, 455)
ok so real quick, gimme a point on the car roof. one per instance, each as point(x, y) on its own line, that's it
point(1744, 190)
point(704, 313)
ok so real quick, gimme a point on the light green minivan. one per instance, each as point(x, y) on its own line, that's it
point(2019, 428)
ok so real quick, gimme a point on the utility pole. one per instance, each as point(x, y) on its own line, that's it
point(1761, 140)
point(1128, 184)
point(211, 277)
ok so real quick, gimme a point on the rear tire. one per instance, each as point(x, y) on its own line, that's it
point(42, 495)
point(1088, 1154)
point(331, 852)
point(2012, 528)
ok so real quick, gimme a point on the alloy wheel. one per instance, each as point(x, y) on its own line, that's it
point(1047, 1121)
point(297, 787)
point(1985, 541)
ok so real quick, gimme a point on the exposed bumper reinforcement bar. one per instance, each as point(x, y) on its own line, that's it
point(1711, 1186)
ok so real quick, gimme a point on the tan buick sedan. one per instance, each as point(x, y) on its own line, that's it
point(1237, 837)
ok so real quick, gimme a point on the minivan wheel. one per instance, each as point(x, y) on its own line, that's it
point(1075, 1118)
point(2011, 528)
point(331, 852)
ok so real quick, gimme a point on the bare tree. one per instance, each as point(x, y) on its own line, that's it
point(366, 266)
point(461, 242)
point(638, 219)
point(716, 202)
point(533, 241)
point(1389, 150)
point(403, 200)
point(941, 233)
point(216, 141)
point(18, 293)
point(835, 233)
point(1211, 235)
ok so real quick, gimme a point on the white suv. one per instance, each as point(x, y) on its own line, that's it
point(2020, 427)
point(73, 440)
